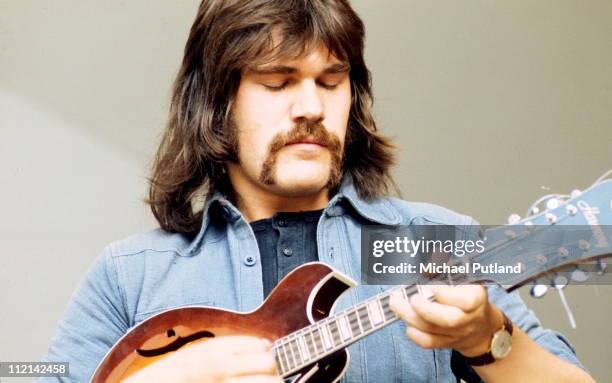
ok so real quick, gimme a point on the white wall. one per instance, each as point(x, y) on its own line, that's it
point(487, 101)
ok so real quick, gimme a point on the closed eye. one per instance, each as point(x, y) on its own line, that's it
point(328, 85)
point(275, 87)
point(329, 82)
point(332, 80)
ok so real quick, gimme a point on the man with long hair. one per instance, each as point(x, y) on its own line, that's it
point(271, 158)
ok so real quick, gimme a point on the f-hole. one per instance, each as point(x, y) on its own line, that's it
point(176, 344)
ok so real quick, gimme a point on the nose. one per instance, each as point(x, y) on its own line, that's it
point(308, 103)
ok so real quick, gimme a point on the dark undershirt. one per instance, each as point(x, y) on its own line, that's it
point(288, 240)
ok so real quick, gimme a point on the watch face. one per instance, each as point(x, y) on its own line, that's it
point(501, 344)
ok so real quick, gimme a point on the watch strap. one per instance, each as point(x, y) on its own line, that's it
point(487, 357)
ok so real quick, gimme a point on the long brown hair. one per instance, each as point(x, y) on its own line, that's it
point(226, 36)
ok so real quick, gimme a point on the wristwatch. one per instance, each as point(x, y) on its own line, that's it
point(501, 343)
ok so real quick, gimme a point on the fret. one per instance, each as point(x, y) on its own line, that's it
point(290, 365)
point(290, 358)
point(335, 332)
point(354, 322)
point(295, 345)
point(318, 341)
point(280, 360)
point(310, 343)
point(384, 302)
point(403, 288)
point(326, 337)
point(364, 319)
point(294, 352)
point(344, 328)
point(303, 349)
point(279, 363)
point(361, 331)
point(375, 314)
point(382, 312)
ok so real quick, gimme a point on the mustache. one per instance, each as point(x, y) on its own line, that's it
point(305, 130)
point(301, 131)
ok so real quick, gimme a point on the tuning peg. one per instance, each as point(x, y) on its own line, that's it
point(552, 203)
point(579, 275)
point(571, 210)
point(551, 218)
point(535, 210)
point(602, 266)
point(559, 282)
point(538, 290)
point(562, 252)
point(513, 219)
point(541, 259)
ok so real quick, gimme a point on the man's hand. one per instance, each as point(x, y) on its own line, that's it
point(460, 317)
point(232, 359)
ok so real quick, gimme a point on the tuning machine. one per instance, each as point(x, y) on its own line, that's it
point(602, 267)
point(552, 203)
point(514, 219)
point(538, 290)
point(579, 275)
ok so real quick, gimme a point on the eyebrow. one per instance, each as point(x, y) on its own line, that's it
point(284, 69)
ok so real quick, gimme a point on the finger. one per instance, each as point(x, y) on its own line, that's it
point(441, 315)
point(254, 379)
point(404, 311)
point(466, 297)
point(427, 340)
point(239, 344)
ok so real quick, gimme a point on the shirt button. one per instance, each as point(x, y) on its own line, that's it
point(282, 223)
point(288, 252)
point(249, 261)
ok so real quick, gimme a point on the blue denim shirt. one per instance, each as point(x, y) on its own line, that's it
point(145, 274)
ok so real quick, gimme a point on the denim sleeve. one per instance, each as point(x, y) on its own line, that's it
point(514, 307)
point(94, 320)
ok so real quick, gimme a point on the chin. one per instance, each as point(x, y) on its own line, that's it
point(300, 187)
point(301, 178)
point(300, 183)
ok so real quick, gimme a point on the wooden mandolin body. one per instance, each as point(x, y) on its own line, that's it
point(304, 296)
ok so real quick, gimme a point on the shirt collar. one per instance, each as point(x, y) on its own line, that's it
point(379, 211)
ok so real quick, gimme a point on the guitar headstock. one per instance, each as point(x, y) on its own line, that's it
point(565, 241)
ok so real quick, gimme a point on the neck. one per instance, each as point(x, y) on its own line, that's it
point(259, 206)
point(328, 335)
point(256, 202)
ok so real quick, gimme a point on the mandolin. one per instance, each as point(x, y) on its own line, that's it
point(310, 339)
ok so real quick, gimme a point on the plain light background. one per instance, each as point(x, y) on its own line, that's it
point(488, 101)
